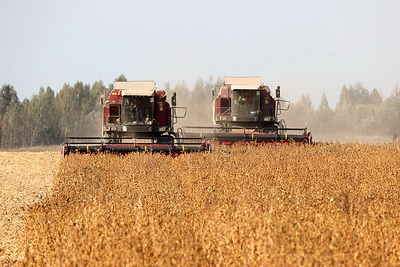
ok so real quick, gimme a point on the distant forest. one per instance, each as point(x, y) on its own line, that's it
point(359, 112)
point(47, 117)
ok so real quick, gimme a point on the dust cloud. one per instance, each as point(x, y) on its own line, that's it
point(360, 115)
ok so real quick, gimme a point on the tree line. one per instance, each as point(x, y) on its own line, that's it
point(47, 117)
point(359, 112)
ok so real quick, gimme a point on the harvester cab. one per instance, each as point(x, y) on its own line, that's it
point(244, 110)
point(136, 109)
point(137, 117)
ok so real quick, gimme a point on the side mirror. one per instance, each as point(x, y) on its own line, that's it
point(173, 99)
point(278, 92)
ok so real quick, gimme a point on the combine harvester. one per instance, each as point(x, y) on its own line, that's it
point(137, 117)
point(244, 111)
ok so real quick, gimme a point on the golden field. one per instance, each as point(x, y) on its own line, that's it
point(327, 204)
point(25, 178)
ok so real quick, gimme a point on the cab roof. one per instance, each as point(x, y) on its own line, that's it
point(243, 82)
point(136, 88)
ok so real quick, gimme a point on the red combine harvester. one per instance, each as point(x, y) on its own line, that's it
point(137, 117)
point(245, 111)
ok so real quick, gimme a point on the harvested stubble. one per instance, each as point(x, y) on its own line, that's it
point(285, 204)
point(25, 178)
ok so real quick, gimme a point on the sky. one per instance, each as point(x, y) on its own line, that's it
point(307, 47)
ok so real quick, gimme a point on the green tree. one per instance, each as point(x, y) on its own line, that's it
point(68, 107)
point(323, 118)
point(8, 97)
point(11, 127)
point(97, 90)
point(354, 95)
point(389, 113)
point(8, 111)
point(121, 78)
point(27, 118)
point(79, 109)
point(43, 122)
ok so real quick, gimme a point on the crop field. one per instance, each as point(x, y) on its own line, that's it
point(327, 204)
point(25, 178)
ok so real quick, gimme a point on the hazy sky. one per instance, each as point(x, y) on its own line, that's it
point(306, 47)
